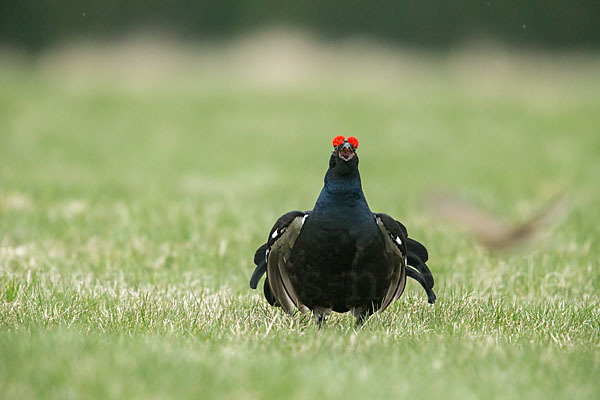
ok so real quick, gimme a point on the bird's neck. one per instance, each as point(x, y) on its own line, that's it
point(341, 191)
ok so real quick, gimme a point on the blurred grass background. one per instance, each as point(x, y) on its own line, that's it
point(138, 176)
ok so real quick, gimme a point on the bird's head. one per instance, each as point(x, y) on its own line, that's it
point(344, 159)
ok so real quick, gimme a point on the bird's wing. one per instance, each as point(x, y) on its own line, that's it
point(260, 256)
point(416, 255)
point(280, 245)
point(270, 258)
point(394, 237)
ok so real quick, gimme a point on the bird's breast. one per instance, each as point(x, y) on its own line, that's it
point(335, 244)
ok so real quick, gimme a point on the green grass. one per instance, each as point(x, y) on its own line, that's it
point(132, 200)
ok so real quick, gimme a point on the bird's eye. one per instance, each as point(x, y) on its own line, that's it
point(338, 140)
point(353, 141)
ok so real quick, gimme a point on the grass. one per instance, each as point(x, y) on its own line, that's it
point(133, 195)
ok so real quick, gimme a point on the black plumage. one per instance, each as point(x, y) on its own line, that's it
point(340, 256)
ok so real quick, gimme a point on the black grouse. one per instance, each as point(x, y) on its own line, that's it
point(340, 256)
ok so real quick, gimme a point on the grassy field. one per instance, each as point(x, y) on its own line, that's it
point(136, 181)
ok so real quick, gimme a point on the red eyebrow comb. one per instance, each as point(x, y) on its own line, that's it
point(338, 140)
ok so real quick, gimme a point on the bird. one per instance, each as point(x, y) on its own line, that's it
point(340, 256)
point(491, 231)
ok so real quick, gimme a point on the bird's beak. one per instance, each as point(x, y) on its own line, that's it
point(346, 152)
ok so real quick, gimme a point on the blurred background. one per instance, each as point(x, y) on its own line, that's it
point(36, 24)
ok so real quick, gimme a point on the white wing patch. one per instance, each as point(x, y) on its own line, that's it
point(398, 241)
point(276, 233)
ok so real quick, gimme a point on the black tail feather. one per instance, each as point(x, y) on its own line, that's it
point(261, 254)
point(417, 248)
point(260, 259)
point(416, 256)
point(415, 261)
point(416, 275)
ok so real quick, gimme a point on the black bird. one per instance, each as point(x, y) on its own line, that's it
point(339, 256)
